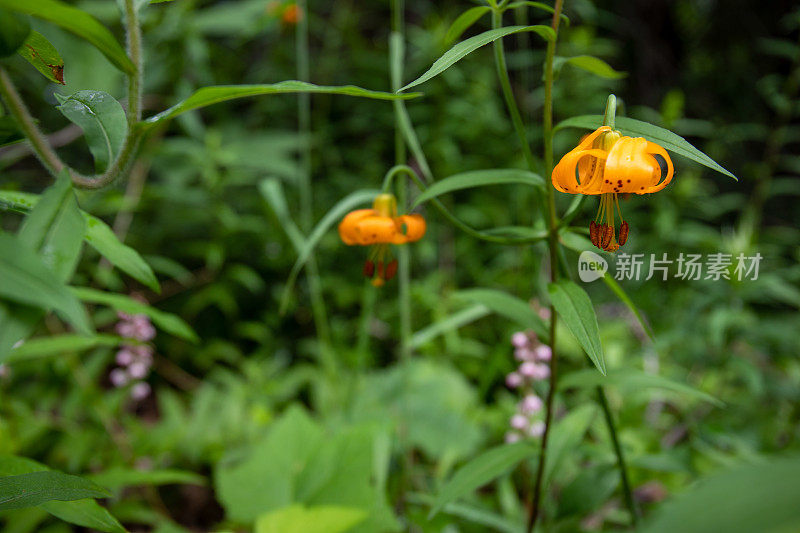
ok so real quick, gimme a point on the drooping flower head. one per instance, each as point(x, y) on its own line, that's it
point(378, 228)
point(606, 163)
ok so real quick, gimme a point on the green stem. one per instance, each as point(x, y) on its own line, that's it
point(552, 224)
point(49, 158)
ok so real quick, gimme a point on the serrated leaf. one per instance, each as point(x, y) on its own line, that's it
point(168, 322)
point(478, 178)
point(481, 470)
point(207, 96)
point(25, 279)
point(43, 56)
point(633, 379)
point(576, 309)
point(78, 22)
point(102, 120)
point(592, 64)
point(466, 47)
point(28, 490)
point(663, 137)
point(463, 22)
point(508, 306)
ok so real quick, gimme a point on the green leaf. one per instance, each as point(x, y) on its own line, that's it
point(756, 497)
point(468, 46)
point(98, 235)
point(78, 22)
point(636, 128)
point(28, 490)
point(344, 205)
point(207, 96)
point(86, 513)
point(60, 344)
point(616, 289)
point(454, 321)
point(9, 131)
point(120, 478)
point(565, 436)
point(575, 308)
point(272, 191)
point(538, 5)
point(592, 64)
point(314, 519)
point(478, 178)
point(14, 29)
point(102, 120)
point(634, 380)
point(464, 21)
point(25, 279)
point(55, 228)
point(43, 56)
point(508, 306)
point(168, 322)
point(478, 472)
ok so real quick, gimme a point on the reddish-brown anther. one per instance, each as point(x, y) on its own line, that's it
point(623, 233)
point(369, 268)
point(391, 269)
point(594, 232)
point(606, 234)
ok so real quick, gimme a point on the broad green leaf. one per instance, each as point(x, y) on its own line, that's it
point(478, 178)
point(168, 322)
point(454, 321)
point(25, 279)
point(508, 306)
point(464, 48)
point(757, 497)
point(86, 513)
point(9, 131)
point(576, 309)
point(78, 22)
point(98, 235)
point(55, 228)
point(464, 21)
point(636, 128)
point(28, 490)
point(483, 469)
point(344, 205)
point(592, 64)
point(102, 120)
point(60, 344)
point(43, 56)
point(120, 478)
point(565, 436)
point(632, 379)
point(14, 29)
point(207, 96)
point(315, 519)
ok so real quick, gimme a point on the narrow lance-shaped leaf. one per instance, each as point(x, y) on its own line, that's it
point(102, 120)
point(508, 306)
point(78, 22)
point(28, 490)
point(636, 128)
point(592, 64)
point(575, 308)
point(207, 96)
point(454, 321)
point(466, 47)
point(478, 472)
point(60, 344)
point(540, 6)
point(463, 22)
point(43, 56)
point(479, 178)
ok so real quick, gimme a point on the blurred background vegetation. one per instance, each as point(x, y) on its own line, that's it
point(236, 419)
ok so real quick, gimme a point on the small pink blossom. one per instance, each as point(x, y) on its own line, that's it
point(118, 377)
point(523, 354)
point(530, 404)
point(513, 380)
point(512, 437)
point(125, 357)
point(140, 391)
point(534, 371)
point(536, 429)
point(519, 340)
point(519, 422)
point(144, 330)
point(138, 369)
point(126, 329)
point(543, 353)
point(544, 313)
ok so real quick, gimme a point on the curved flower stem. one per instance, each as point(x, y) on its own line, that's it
point(552, 224)
point(49, 158)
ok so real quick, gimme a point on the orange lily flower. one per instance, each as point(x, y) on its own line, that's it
point(379, 227)
point(607, 164)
